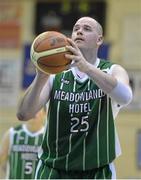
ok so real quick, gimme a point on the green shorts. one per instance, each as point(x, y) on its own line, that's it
point(46, 172)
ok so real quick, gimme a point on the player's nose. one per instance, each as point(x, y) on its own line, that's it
point(79, 31)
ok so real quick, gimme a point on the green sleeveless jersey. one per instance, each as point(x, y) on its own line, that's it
point(23, 153)
point(80, 132)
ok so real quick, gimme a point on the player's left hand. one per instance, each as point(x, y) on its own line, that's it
point(77, 57)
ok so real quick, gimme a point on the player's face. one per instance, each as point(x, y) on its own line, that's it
point(85, 33)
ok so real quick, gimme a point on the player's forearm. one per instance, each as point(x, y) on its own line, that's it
point(32, 100)
point(103, 80)
point(28, 105)
point(116, 89)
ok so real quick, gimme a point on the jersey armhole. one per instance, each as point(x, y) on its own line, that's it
point(111, 69)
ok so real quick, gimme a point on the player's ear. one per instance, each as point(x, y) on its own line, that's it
point(100, 40)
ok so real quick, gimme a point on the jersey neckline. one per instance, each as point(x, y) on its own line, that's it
point(32, 134)
point(80, 76)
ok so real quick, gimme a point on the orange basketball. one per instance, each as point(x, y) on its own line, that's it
point(48, 52)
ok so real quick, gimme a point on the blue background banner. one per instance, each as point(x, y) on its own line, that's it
point(28, 68)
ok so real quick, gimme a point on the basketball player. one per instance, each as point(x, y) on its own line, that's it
point(20, 146)
point(81, 139)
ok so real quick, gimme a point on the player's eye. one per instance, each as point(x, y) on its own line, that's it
point(75, 29)
point(87, 28)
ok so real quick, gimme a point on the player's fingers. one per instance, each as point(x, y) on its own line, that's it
point(72, 43)
point(72, 50)
point(70, 56)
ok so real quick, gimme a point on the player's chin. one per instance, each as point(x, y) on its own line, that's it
point(80, 45)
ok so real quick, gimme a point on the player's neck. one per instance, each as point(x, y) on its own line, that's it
point(91, 56)
point(34, 127)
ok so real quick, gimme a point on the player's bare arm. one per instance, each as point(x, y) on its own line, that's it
point(115, 84)
point(35, 97)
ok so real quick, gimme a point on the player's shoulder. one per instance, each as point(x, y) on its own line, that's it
point(103, 63)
